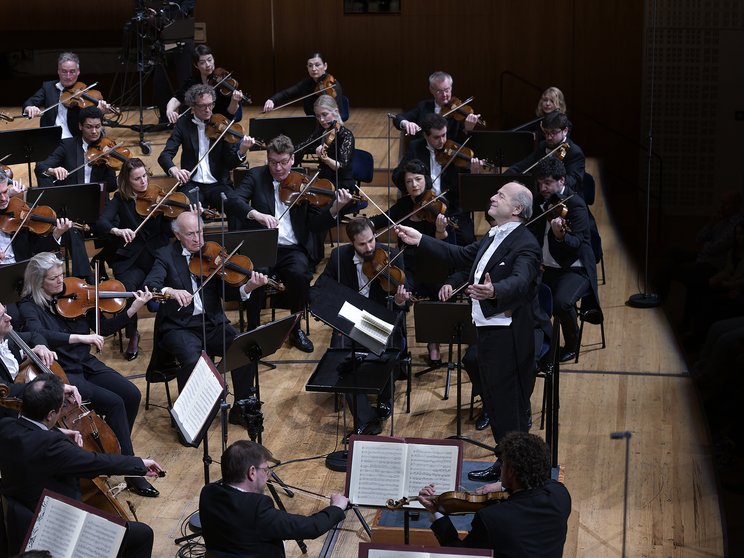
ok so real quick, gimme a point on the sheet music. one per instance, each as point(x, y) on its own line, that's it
point(378, 553)
point(378, 472)
point(351, 313)
point(431, 464)
point(195, 403)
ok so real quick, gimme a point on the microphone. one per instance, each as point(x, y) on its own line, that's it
point(223, 196)
point(391, 115)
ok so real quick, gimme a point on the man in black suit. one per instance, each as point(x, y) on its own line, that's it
point(180, 318)
point(71, 154)
point(502, 287)
point(568, 258)
point(426, 149)
point(257, 203)
point(240, 520)
point(532, 522)
point(345, 267)
point(68, 70)
point(556, 126)
point(212, 175)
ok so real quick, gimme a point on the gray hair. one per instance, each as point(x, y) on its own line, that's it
point(36, 270)
point(439, 76)
point(3, 177)
point(68, 57)
point(523, 197)
point(196, 91)
point(176, 228)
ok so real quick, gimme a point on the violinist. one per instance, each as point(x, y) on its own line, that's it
point(440, 87)
point(532, 522)
point(345, 266)
point(37, 455)
point(335, 151)
point(110, 394)
point(551, 100)
point(568, 258)
point(180, 332)
point(212, 176)
point(71, 152)
point(258, 204)
point(428, 150)
point(319, 78)
point(238, 519)
point(68, 70)
point(555, 127)
point(203, 61)
point(131, 257)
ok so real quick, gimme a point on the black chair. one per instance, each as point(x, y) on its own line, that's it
point(344, 108)
point(162, 369)
point(542, 345)
point(589, 311)
point(362, 170)
point(590, 193)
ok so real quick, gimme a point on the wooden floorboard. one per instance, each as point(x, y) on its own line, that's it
point(637, 384)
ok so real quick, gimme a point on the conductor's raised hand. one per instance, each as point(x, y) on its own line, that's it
point(408, 235)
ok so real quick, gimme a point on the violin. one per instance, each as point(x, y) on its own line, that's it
point(379, 267)
point(238, 269)
point(175, 204)
point(220, 79)
point(41, 221)
point(453, 501)
point(79, 96)
point(218, 123)
point(325, 85)
point(106, 152)
point(462, 157)
point(557, 210)
point(78, 297)
point(8, 402)
point(294, 190)
point(429, 210)
point(460, 111)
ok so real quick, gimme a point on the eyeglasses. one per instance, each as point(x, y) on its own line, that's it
point(264, 469)
point(203, 105)
point(284, 163)
point(68, 72)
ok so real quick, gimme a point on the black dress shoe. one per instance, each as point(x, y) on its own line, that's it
point(491, 474)
point(482, 421)
point(384, 410)
point(370, 429)
point(140, 486)
point(567, 355)
point(301, 341)
point(133, 346)
point(235, 416)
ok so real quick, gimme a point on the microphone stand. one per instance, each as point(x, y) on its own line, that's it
point(224, 406)
point(619, 436)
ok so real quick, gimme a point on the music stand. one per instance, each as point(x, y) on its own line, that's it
point(297, 128)
point(11, 281)
point(502, 148)
point(449, 322)
point(82, 203)
point(29, 145)
point(259, 245)
point(476, 189)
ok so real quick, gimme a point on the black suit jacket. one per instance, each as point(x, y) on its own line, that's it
point(248, 524)
point(530, 524)
point(34, 459)
point(574, 161)
point(256, 191)
point(47, 96)
point(222, 159)
point(455, 129)
point(69, 154)
point(305, 87)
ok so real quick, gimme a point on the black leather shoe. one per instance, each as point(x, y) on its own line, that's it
point(301, 341)
point(133, 346)
point(491, 474)
point(235, 416)
point(140, 486)
point(370, 429)
point(384, 410)
point(567, 355)
point(482, 421)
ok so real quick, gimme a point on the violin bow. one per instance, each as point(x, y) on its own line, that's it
point(214, 87)
point(533, 165)
point(3, 159)
point(303, 97)
point(453, 109)
point(299, 195)
point(77, 94)
point(179, 183)
point(97, 310)
point(103, 153)
point(423, 206)
point(211, 275)
point(384, 268)
point(316, 140)
point(26, 218)
point(551, 208)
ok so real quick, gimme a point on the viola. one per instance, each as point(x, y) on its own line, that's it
point(220, 79)
point(460, 111)
point(428, 208)
point(294, 190)
point(218, 123)
point(380, 268)
point(106, 152)
point(461, 158)
point(238, 269)
point(79, 96)
point(453, 501)
point(175, 204)
point(78, 297)
point(41, 221)
point(325, 85)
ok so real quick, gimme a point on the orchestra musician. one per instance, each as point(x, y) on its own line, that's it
point(212, 175)
point(112, 395)
point(238, 519)
point(180, 331)
point(203, 60)
point(551, 100)
point(532, 522)
point(345, 266)
point(258, 204)
point(37, 455)
point(317, 70)
point(71, 152)
point(131, 256)
point(68, 70)
point(502, 287)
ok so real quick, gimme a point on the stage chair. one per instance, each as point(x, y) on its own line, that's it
point(589, 311)
point(590, 193)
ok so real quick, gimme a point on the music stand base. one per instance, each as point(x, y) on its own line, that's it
point(336, 460)
point(644, 300)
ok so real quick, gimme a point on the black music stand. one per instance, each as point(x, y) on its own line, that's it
point(449, 322)
point(82, 203)
point(259, 245)
point(298, 128)
point(502, 148)
point(11, 281)
point(29, 145)
point(476, 189)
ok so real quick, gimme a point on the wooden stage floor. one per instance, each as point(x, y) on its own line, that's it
point(638, 383)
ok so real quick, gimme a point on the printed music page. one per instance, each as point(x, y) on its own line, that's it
point(384, 550)
point(431, 464)
point(196, 402)
point(378, 472)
